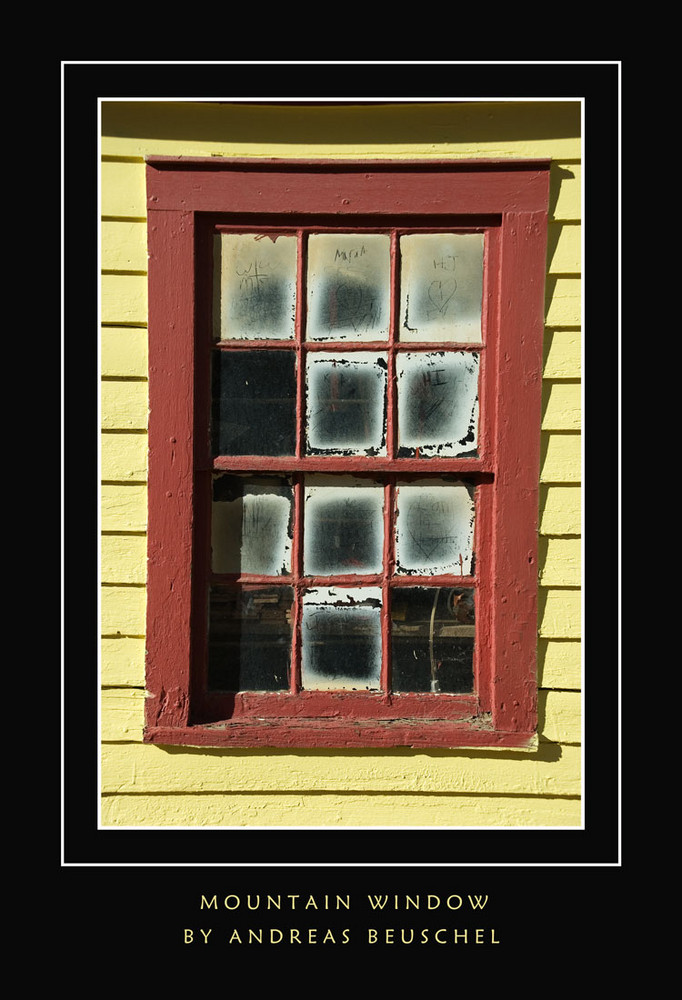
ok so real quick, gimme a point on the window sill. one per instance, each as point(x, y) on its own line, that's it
point(324, 733)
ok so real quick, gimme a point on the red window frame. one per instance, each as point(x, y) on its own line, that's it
point(187, 201)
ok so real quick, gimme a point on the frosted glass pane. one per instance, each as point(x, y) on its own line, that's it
point(251, 526)
point(341, 639)
point(441, 284)
point(348, 286)
point(254, 287)
point(343, 526)
point(249, 644)
point(433, 634)
point(437, 403)
point(346, 404)
point(434, 528)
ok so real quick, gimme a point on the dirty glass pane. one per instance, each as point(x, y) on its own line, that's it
point(434, 528)
point(343, 526)
point(348, 286)
point(254, 286)
point(437, 403)
point(432, 639)
point(346, 404)
point(341, 639)
point(251, 525)
point(441, 284)
point(254, 403)
point(249, 643)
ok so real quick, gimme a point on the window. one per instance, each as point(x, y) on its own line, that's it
point(344, 376)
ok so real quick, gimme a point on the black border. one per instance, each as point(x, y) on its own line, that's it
point(489, 856)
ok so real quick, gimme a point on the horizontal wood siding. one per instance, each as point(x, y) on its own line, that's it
point(145, 784)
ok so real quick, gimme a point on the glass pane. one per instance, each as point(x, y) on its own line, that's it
point(341, 639)
point(434, 528)
point(254, 403)
point(249, 644)
point(346, 404)
point(433, 639)
point(437, 403)
point(251, 525)
point(348, 286)
point(343, 526)
point(254, 286)
point(441, 281)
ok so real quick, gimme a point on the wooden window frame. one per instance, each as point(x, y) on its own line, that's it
point(186, 199)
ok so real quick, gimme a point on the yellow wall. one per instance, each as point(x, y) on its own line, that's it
point(150, 785)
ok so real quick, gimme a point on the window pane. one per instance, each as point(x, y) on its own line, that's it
point(437, 403)
point(346, 404)
point(249, 644)
point(434, 528)
point(251, 525)
point(433, 639)
point(255, 286)
point(348, 287)
point(254, 403)
point(341, 639)
point(343, 527)
point(441, 281)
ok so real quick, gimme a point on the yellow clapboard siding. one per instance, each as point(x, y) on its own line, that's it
point(560, 510)
point(562, 406)
point(124, 456)
point(560, 458)
point(124, 405)
point(564, 248)
point(392, 129)
point(562, 354)
point(123, 351)
point(140, 768)
point(124, 190)
point(559, 716)
point(122, 662)
point(559, 713)
point(123, 610)
point(560, 561)
point(123, 245)
point(122, 714)
point(124, 508)
point(123, 559)
point(566, 191)
point(559, 664)
point(562, 301)
point(560, 614)
point(124, 299)
point(298, 810)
